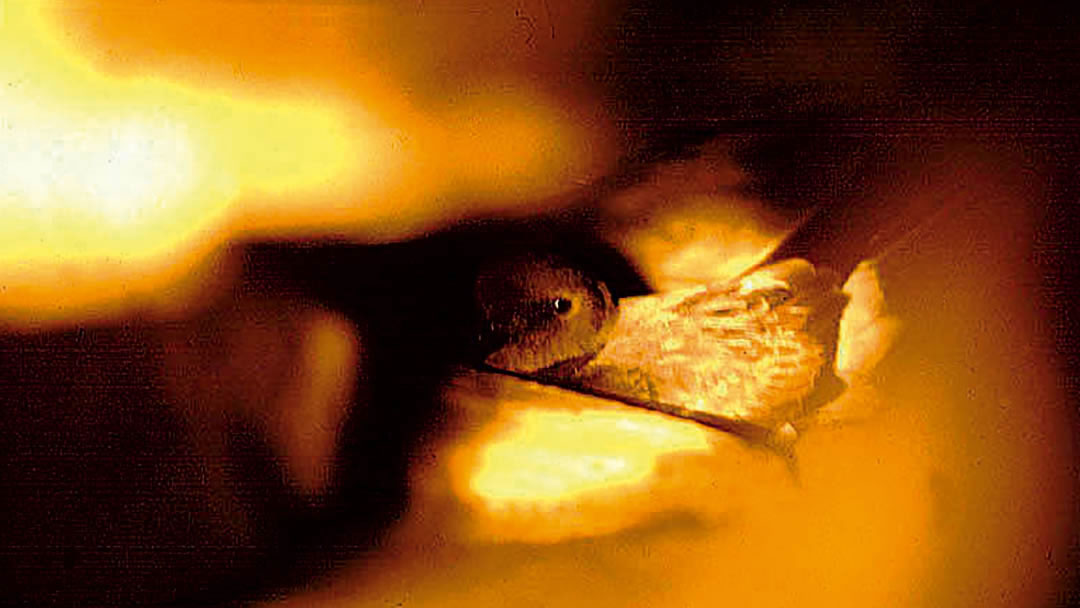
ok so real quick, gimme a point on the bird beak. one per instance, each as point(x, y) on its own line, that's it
point(750, 356)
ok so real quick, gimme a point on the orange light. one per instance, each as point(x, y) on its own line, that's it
point(552, 465)
point(549, 457)
point(109, 185)
point(118, 175)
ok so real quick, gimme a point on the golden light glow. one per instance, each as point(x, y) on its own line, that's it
point(867, 331)
point(552, 464)
point(127, 154)
point(690, 223)
point(547, 458)
point(104, 177)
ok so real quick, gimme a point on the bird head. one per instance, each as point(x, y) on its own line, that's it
point(539, 312)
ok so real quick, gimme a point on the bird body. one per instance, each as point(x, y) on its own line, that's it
point(747, 350)
point(750, 349)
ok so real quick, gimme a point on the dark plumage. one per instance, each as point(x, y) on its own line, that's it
point(538, 312)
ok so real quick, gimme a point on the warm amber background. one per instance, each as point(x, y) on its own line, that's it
point(958, 491)
point(138, 139)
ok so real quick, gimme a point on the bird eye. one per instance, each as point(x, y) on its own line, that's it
point(563, 306)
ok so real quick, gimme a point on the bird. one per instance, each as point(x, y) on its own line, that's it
point(540, 312)
point(754, 355)
point(744, 355)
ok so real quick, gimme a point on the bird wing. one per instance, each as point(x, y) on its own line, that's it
point(751, 349)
